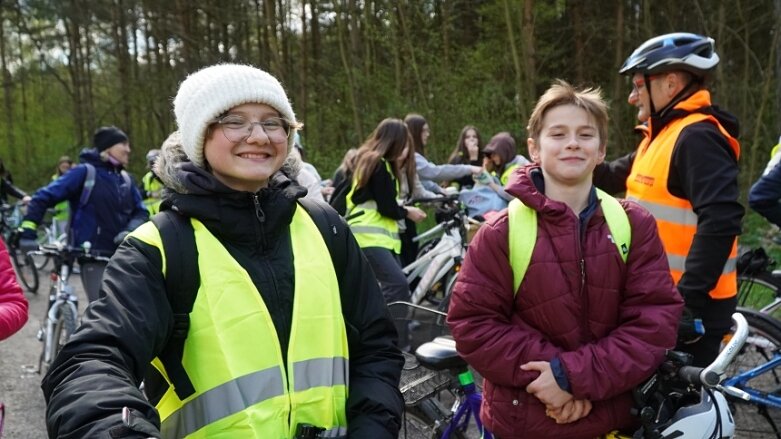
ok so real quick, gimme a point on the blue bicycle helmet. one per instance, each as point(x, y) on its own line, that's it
point(676, 51)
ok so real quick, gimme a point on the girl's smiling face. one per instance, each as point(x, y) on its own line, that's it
point(246, 165)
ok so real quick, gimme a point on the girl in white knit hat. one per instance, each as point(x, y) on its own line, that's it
point(247, 311)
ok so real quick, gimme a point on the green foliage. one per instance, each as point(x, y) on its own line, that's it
point(74, 66)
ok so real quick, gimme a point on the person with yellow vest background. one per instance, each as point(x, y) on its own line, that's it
point(373, 211)
point(151, 185)
point(685, 172)
point(286, 331)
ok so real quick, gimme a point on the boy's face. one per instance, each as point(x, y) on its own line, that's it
point(569, 147)
point(247, 165)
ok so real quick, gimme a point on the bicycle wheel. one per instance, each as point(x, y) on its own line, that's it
point(44, 237)
point(25, 270)
point(758, 291)
point(63, 328)
point(451, 282)
point(763, 341)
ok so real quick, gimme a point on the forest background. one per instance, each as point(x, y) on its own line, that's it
point(70, 66)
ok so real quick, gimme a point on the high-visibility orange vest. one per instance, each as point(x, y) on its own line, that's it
point(675, 217)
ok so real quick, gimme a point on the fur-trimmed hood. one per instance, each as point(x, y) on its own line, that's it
point(182, 176)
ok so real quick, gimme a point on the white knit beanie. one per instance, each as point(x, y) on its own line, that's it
point(210, 92)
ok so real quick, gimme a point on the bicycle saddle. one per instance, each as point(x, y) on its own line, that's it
point(439, 354)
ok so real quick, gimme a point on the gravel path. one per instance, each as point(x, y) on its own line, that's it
point(20, 389)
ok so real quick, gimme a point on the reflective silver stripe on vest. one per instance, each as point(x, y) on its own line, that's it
point(223, 400)
point(373, 230)
point(679, 263)
point(336, 432)
point(320, 372)
point(248, 390)
point(677, 215)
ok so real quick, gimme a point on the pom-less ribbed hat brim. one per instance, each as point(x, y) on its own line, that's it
point(210, 92)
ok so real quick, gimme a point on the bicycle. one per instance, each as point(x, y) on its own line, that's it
point(754, 371)
point(23, 263)
point(51, 233)
point(61, 314)
point(433, 274)
point(759, 286)
point(435, 376)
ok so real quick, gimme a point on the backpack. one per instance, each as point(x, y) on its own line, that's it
point(522, 222)
point(182, 281)
point(89, 183)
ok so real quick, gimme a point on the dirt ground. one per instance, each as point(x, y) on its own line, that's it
point(20, 389)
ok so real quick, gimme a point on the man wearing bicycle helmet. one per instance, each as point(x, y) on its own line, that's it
point(685, 171)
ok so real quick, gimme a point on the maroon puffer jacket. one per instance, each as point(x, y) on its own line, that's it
point(610, 328)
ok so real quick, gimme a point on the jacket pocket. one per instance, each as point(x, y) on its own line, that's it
point(505, 410)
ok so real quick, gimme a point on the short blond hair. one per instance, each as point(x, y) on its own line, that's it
point(562, 93)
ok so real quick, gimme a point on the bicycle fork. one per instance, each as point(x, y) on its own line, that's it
point(46, 334)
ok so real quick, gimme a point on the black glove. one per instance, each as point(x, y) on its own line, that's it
point(27, 245)
point(120, 237)
point(690, 328)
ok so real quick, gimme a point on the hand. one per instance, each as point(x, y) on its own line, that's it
point(690, 328)
point(415, 214)
point(26, 199)
point(477, 170)
point(571, 411)
point(120, 237)
point(483, 178)
point(545, 388)
point(27, 245)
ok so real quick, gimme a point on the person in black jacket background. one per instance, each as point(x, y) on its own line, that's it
point(230, 172)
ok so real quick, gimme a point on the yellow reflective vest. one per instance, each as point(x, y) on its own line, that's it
point(153, 188)
point(232, 352)
point(675, 217)
point(372, 229)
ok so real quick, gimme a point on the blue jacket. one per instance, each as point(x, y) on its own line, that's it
point(113, 207)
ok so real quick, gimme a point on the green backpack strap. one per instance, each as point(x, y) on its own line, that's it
point(522, 233)
point(617, 222)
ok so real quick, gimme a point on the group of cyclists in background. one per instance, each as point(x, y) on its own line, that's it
point(281, 327)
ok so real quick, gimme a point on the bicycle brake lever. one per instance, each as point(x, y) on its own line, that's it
point(734, 392)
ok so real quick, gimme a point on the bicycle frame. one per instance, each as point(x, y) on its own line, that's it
point(740, 382)
point(435, 264)
point(467, 406)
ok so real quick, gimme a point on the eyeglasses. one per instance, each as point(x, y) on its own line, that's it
point(238, 128)
point(639, 83)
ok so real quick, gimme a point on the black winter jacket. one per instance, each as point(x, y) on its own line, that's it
point(99, 370)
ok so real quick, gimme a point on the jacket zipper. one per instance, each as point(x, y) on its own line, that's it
point(261, 216)
point(583, 296)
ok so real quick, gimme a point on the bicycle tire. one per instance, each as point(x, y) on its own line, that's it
point(427, 420)
point(25, 270)
point(759, 290)
point(764, 339)
point(63, 328)
point(44, 237)
point(451, 282)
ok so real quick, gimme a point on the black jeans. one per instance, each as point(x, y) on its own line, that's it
point(91, 278)
point(393, 283)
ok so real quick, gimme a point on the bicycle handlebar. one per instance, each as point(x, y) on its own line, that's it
point(442, 199)
point(59, 250)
